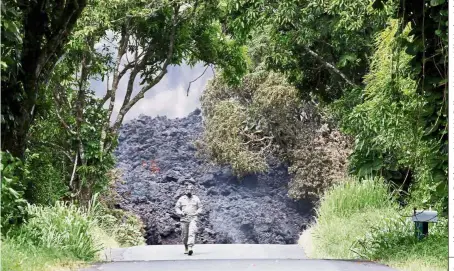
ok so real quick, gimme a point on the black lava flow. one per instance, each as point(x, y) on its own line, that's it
point(156, 154)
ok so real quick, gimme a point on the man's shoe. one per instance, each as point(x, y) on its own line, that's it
point(186, 250)
point(190, 252)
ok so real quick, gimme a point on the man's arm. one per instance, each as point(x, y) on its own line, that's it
point(199, 207)
point(178, 210)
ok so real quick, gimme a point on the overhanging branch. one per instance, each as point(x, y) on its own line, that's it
point(330, 66)
point(127, 105)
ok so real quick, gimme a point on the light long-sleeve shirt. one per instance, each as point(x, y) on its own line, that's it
point(188, 208)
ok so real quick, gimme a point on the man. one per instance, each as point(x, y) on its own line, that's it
point(188, 207)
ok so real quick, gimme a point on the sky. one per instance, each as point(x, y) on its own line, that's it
point(167, 98)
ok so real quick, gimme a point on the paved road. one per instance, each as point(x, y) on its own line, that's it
point(224, 258)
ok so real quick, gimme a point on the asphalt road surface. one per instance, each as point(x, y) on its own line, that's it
point(224, 258)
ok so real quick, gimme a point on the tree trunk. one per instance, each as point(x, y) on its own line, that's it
point(43, 42)
point(18, 114)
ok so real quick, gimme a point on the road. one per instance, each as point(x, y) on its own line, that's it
point(236, 257)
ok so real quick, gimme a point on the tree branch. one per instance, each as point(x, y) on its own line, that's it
point(331, 67)
point(59, 33)
point(57, 102)
point(53, 145)
point(127, 106)
point(258, 140)
point(117, 74)
point(189, 87)
point(116, 80)
point(74, 170)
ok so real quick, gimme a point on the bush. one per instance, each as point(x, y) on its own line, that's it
point(46, 183)
point(65, 234)
point(64, 227)
point(125, 227)
point(247, 125)
point(394, 238)
point(361, 220)
point(318, 162)
point(12, 191)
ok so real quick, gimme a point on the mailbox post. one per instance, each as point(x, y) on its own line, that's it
point(422, 220)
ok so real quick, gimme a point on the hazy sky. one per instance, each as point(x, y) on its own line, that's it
point(167, 98)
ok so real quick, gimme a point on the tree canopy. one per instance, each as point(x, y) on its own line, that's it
point(331, 88)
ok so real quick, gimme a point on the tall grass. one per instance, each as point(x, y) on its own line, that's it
point(27, 257)
point(66, 234)
point(352, 196)
point(63, 226)
point(359, 219)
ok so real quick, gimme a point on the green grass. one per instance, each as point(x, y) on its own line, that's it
point(359, 220)
point(27, 257)
point(63, 227)
point(64, 237)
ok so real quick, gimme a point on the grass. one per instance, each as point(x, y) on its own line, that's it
point(64, 237)
point(27, 257)
point(359, 220)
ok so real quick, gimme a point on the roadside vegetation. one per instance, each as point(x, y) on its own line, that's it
point(67, 236)
point(361, 220)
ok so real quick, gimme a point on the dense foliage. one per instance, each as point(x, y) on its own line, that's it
point(12, 192)
point(392, 140)
point(378, 67)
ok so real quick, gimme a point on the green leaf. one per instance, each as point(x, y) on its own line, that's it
point(13, 192)
point(435, 3)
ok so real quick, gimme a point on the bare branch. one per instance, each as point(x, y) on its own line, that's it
point(259, 140)
point(187, 91)
point(105, 98)
point(130, 86)
point(212, 69)
point(117, 75)
point(330, 66)
point(127, 106)
point(74, 171)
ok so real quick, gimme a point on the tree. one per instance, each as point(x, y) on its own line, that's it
point(35, 33)
point(323, 47)
point(400, 119)
point(148, 38)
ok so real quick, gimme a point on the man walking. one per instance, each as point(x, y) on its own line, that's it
point(188, 207)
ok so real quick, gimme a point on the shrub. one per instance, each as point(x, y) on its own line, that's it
point(263, 117)
point(12, 191)
point(46, 182)
point(64, 227)
point(125, 227)
point(318, 161)
point(394, 238)
point(360, 219)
